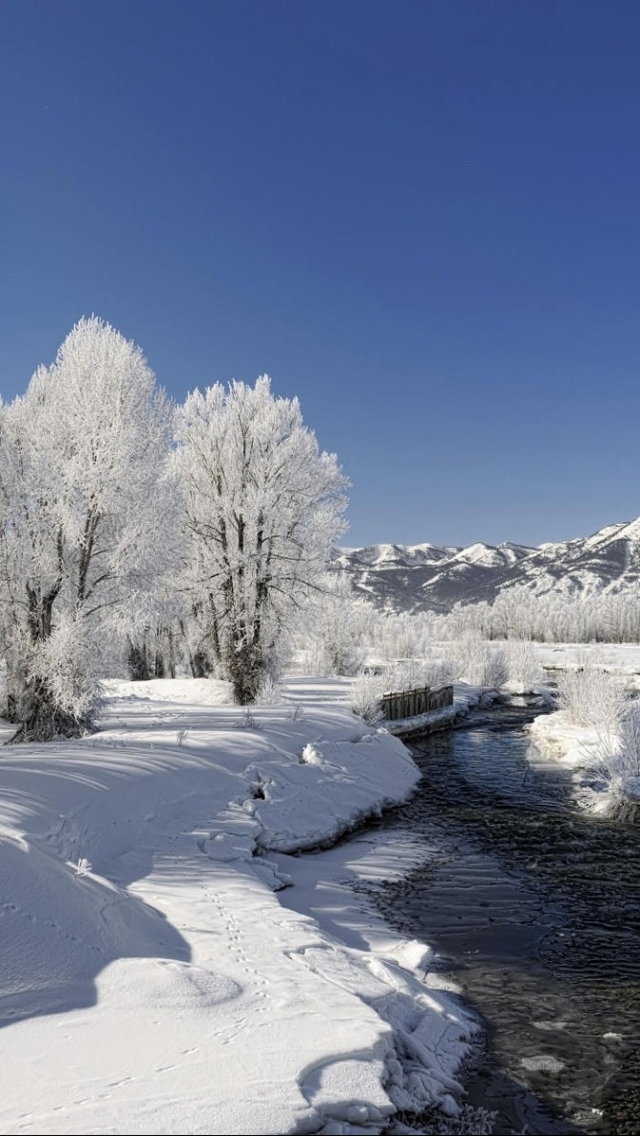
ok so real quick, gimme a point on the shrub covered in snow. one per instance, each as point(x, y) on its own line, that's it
point(332, 625)
point(411, 674)
point(366, 693)
point(525, 671)
point(618, 761)
point(270, 693)
point(592, 698)
point(480, 663)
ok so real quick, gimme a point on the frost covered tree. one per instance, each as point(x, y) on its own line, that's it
point(333, 628)
point(86, 504)
point(262, 508)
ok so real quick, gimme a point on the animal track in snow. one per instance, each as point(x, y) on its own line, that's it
point(235, 938)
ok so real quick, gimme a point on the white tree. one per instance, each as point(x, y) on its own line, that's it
point(263, 507)
point(333, 628)
point(86, 506)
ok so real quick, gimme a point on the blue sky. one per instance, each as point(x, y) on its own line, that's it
point(421, 217)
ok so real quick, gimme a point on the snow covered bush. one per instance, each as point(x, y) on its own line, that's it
point(365, 695)
point(439, 672)
point(392, 637)
point(496, 668)
point(332, 628)
point(270, 693)
point(480, 663)
point(619, 753)
point(618, 762)
point(248, 721)
point(413, 674)
point(405, 674)
point(525, 671)
point(262, 509)
point(592, 698)
point(468, 656)
point(86, 512)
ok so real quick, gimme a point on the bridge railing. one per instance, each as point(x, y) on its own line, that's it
point(410, 703)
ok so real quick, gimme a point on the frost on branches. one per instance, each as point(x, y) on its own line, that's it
point(85, 507)
point(331, 632)
point(263, 507)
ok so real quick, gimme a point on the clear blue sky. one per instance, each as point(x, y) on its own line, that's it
point(423, 218)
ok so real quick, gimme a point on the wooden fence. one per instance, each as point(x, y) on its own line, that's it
point(410, 703)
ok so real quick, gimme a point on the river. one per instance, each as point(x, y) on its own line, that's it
point(534, 909)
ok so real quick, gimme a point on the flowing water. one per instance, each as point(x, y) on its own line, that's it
point(534, 908)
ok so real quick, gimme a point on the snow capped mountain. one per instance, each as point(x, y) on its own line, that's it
point(408, 555)
point(423, 577)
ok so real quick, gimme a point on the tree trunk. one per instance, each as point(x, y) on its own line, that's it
point(246, 670)
point(138, 662)
point(41, 719)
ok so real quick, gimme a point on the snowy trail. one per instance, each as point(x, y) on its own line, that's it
point(152, 980)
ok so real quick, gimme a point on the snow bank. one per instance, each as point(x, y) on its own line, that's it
point(603, 785)
point(151, 979)
point(574, 745)
point(430, 1030)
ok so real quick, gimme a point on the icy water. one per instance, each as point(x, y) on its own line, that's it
point(534, 908)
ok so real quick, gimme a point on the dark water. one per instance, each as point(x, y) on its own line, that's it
point(534, 908)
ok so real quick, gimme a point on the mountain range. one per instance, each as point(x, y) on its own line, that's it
point(429, 577)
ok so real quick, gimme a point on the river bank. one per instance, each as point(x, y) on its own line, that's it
point(155, 976)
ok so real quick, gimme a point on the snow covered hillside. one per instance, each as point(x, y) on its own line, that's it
point(151, 979)
point(425, 577)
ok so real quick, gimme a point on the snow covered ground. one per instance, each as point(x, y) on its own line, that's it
point(575, 746)
point(623, 658)
point(155, 979)
point(620, 658)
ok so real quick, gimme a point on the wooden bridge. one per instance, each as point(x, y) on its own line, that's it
point(410, 703)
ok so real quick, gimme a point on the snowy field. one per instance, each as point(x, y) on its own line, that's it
point(620, 658)
point(157, 974)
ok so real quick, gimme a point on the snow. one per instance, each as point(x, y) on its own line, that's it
point(155, 976)
point(574, 745)
point(393, 555)
point(480, 553)
point(430, 1029)
point(620, 658)
point(515, 551)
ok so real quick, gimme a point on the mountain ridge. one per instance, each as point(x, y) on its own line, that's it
point(430, 577)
